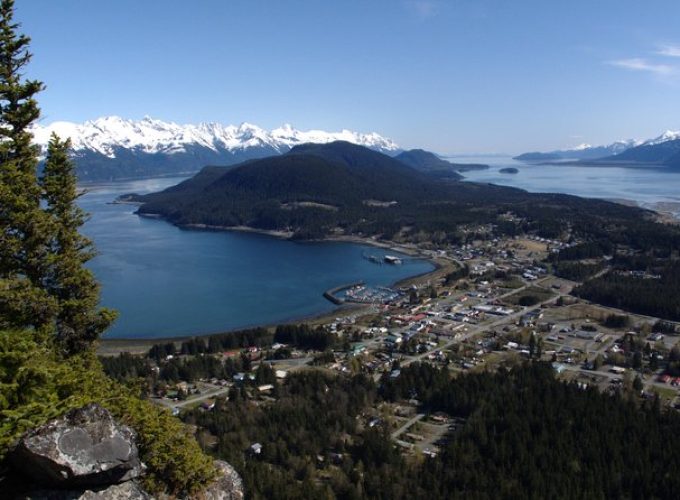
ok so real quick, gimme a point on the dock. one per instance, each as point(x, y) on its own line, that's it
point(330, 294)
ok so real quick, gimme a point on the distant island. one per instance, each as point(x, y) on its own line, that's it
point(536, 156)
point(508, 170)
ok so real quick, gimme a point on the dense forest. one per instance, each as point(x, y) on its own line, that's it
point(525, 434)
point(655, 295)
point(315, 189)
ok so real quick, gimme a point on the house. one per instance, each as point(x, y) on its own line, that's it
point(357, 349)
point(394, 338)
point(255, 448)
point(208, 404)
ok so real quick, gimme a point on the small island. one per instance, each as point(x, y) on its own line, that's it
point(508, 170)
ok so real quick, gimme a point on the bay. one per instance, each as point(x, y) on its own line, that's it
point(656, 188)
point(169, 282)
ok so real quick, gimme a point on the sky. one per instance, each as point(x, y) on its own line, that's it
point(456, 76)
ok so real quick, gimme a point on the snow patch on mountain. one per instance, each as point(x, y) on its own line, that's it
point(108, 134)
point(668, 135)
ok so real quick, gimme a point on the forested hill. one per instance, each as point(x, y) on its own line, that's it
point(316, 190)
point(430, 163)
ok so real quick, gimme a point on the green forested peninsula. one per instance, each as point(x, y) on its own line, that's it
point(318, 190)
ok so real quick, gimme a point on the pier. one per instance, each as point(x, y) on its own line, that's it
point(330, 293)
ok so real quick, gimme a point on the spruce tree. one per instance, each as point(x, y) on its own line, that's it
point(79, 322)
point(24, 227)
point(43, 282)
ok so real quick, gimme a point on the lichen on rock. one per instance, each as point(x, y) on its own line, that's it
point(85, 447)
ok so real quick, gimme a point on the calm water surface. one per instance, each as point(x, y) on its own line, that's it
point(167, 282)
point(646, 186)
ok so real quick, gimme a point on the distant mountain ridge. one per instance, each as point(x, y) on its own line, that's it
point(112, 148)
point(582, 152)
point(660, 150)
point(665, 153)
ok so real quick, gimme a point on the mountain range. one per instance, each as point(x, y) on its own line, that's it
point(111, 148)
point(654, 151)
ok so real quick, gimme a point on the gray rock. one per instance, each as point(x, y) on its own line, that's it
point(227, 486)
point(125, 491)
point(85, 447)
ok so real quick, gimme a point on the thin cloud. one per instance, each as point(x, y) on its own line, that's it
point(669, 50)
point(638, 64)
point(424, 9)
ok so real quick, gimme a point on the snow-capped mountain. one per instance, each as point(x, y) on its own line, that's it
point(662, 150)
point(581, 152)
point(668, 135)
point(113, 147)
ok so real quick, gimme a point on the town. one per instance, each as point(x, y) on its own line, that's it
point(489, 304)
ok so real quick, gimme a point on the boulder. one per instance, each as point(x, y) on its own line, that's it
point(227, 486)
point(84, 448)
point(126, 491)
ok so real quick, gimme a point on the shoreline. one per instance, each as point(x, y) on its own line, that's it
point(120, 344)
point(101, 182)
point(114, 346)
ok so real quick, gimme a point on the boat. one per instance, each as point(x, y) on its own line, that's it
point(391, 259)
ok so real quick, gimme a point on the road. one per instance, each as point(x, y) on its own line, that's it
point(477, 329)
point(195, 399)
point(408, 424)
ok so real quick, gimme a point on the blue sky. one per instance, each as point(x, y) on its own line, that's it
point(449, 76)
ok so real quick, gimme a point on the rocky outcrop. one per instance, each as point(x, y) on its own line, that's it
point(87, 455)
point(227, 486)
point(129, 490)
point(85, 447)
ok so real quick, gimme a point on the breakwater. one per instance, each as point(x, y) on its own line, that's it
point(330, 294)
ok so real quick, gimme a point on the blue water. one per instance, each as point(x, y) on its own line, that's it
point(168, 282)
point(646, 186)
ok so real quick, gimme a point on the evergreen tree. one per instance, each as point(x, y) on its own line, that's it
point(24, 227)
point(43, 283)
point(78, 321)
